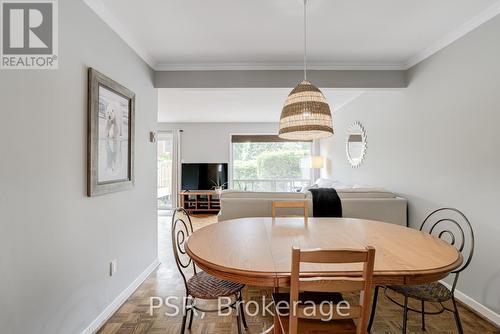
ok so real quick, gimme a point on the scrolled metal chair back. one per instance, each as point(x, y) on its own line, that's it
point(182, 228)
point(452, 225)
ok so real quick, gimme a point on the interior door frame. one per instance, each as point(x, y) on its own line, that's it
point(173, 194)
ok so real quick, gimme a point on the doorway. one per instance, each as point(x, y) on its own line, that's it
point(165, 145)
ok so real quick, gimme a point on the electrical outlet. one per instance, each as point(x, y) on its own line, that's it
point(113, 267)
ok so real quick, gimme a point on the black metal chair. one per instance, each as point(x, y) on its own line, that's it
point(201, 285)
point(452, 226)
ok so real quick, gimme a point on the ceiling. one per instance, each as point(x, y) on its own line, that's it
point(234, 104)
point(267, 34)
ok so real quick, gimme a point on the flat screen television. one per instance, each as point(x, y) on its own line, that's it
point(204, 176)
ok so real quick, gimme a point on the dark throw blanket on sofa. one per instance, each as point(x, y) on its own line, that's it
point(326, 203)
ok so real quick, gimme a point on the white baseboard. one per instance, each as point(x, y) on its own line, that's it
point(478, 307)
point(119, 300)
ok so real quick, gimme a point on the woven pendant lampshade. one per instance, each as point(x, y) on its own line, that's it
point(306, 114)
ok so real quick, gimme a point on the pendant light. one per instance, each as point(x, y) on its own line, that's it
point(306, 114)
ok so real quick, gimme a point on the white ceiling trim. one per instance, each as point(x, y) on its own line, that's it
point(105, 14)
point(110, 19)
point(276, 66)
point(451, 37)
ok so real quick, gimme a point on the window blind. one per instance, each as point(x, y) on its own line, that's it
point(261, 139)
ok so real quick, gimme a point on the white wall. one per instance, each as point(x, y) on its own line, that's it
point(437, 143)
point(210, 142)
point(56, 243)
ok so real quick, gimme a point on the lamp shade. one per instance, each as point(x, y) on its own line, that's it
point(306, 114)
point(317, 161)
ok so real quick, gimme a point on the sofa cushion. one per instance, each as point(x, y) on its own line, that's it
point(324, 183)
point(262, 194)
point(364, 193)
point(348, 192)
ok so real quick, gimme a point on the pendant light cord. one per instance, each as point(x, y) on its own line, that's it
point(305, 39)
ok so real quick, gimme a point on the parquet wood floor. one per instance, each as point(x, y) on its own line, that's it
point(133, 316)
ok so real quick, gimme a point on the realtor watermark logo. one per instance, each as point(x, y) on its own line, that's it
point(29, 34)
point(325, 311)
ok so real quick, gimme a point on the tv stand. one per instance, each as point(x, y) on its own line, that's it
point(200, 201)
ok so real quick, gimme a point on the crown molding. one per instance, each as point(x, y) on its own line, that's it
point(110, 19)
point(276, 66)
point(456, 34)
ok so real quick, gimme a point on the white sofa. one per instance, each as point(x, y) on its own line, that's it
point(365, 203)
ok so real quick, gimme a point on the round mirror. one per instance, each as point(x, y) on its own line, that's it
point(356, 144)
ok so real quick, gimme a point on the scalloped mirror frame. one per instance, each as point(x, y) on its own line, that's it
point(356, 128)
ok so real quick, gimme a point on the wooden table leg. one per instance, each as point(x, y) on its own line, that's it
point(276, 325)
point(275, 328)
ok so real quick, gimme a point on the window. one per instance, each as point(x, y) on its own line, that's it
point(268, 163)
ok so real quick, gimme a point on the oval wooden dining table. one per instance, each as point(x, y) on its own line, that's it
point(257, 251)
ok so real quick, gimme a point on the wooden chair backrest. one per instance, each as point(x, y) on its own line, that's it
point(290, 204)
point(361, 283)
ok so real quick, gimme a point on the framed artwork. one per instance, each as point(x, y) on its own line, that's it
point(110, 152)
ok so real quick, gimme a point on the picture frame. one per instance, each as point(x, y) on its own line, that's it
point(110, 135)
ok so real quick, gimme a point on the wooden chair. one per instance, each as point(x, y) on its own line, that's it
point(200, 285)
point(308, 292)
point(290, 204)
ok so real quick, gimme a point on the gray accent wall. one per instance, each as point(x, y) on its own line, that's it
point(55, 243)
point(437, 143)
